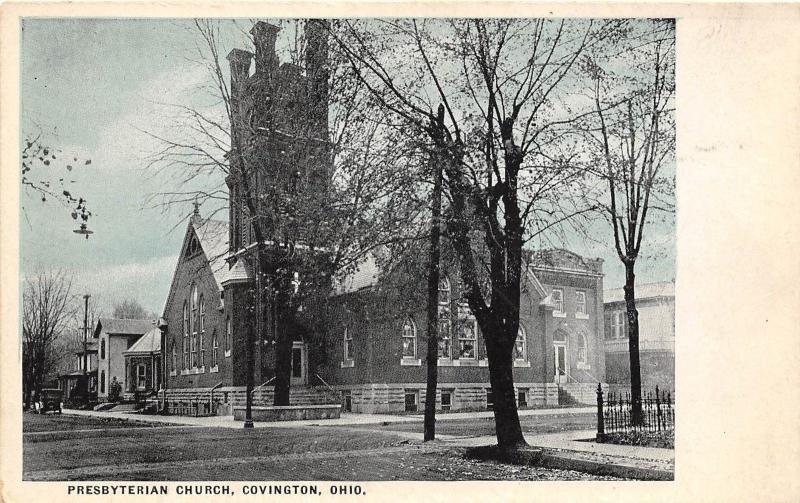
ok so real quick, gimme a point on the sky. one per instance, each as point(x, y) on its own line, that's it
point(95, 87)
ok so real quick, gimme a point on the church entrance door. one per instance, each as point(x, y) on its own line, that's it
point(299, 363)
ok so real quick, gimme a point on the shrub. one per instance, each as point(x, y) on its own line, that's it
point(114, 390)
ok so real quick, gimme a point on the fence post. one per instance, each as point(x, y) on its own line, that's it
point(601, 434)
point(658, 410)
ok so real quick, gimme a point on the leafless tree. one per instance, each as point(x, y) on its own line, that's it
point(47, 307)
point(131, 309)
point(509, 165)
point(631, 141)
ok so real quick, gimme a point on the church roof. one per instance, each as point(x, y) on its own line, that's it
point(643, 291)
point(147, 344)
point(122, 327)
point(213, 237)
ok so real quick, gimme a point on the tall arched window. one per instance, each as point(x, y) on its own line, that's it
point(444, 338)
point(467, 339)
point(185, 341)
point(102, 349)
point(174, 357)
point(202, 314)
point(520, 345)
point(193, 327)
point(228, 332)
point(409, 339)
point(202, 331)
point(214, 348)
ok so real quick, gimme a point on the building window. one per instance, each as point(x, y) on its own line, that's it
point(347, 401)
point(411, 400)
point(444, 291)
point(447, 400)
point(444, 338)
point(467, 339)
point(214, 348)
point(409, 339)
point(489, 399)
point(618, 324)
point(580, 304)
point(522, 398)
point(582, 356)
point(193, 327)
point(185, 336)
point(201, 338)
point(558, 301)
point(228, 336)
point(348, 345)
point(520, 345)
point(141, 376)
point(102, 349)
point(102, 381)
point(174, 357)
point(202, 314)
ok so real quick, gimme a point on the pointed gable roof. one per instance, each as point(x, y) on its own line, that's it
point(114, 326)
point(212, 236)
point(147, 344)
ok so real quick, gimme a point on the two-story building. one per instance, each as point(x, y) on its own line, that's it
point(655, 303)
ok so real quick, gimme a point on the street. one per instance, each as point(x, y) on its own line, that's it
point(87, 448)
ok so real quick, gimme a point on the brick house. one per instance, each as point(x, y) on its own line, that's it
point(656, 305)
point(363, 349)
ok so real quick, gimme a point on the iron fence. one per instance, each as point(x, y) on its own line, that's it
point(615, 413)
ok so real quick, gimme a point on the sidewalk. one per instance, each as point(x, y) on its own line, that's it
point(346, 418)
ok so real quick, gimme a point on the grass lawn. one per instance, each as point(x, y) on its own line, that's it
point(63, 422)
point(485, 426)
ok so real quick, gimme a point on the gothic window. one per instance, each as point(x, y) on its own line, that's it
point(202, 346)
point(228, 333)
point(202, 314)
point(467, 339)
point(193, 327)
point(174, 357)
point(444, 338)
point(102, 349)
point(185, 336)
point(520, 345)
point(409, 339)
point(214, 348)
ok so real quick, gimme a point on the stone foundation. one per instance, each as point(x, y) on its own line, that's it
point(288, 413)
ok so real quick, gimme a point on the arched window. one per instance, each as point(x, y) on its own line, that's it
point(409, 339)
point(102, 349)
point(102, 381)
point(185, 341)
point(228, 336)
point(214, 348)
point(202, 314)
point(520, 345)
point(582, 352)
point(444, 291)
point(174, 357)
point(193, 327)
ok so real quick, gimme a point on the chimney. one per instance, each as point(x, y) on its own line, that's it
point(264, 37)
point(239, 61)
point(316, 60)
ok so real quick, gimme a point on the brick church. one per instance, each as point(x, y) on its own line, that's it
point(368, 350)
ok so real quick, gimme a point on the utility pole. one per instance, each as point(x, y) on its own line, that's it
point(433, 285)
point(85, 332)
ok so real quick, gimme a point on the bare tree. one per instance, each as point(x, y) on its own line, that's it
point(131, 309)
point(510, 174)
point(47, 307)
point(631, 137)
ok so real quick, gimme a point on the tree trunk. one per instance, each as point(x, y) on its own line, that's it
point(433, 306)
point(283, 360)
point(633, 344)
point(507, 427)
